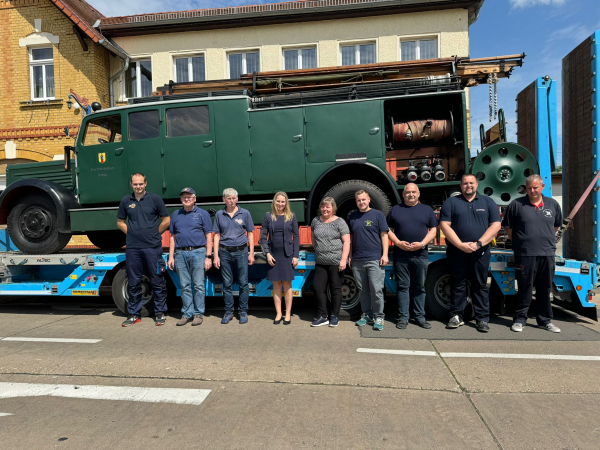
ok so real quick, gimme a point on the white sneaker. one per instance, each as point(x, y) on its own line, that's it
point(517, 327)
point(553, 328)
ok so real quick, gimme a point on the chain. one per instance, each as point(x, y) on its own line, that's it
point(489, 81)
point(495, 78)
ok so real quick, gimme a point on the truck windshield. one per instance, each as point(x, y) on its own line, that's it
point(103, 130)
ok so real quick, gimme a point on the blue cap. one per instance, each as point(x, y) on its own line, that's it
point(187, 190)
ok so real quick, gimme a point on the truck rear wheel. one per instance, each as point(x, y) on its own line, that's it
point(121, 296)
point(343, 194)
point(438, 292)
point(350, 297)
point(33, 226)
point(107, 239)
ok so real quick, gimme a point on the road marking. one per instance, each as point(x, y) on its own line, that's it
point(132, 394)
point(68, 341)
point(6, 414)
point(480, 355)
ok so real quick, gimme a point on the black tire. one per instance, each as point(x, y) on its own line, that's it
point(350, 297)
point(121, 297)
point(107, 239)
point(438, 289)
point(343, 194)
point(33, 226)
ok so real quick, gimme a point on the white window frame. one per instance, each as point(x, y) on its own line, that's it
point(138, 77)
point(43, 63)
point(299, 49)
point(418, 39)
point(243, 53)
point(356, 45)
point(189, 57)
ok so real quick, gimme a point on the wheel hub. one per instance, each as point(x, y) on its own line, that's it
point(36, 223)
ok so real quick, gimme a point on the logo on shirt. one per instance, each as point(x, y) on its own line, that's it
point(102, 158)
point(547, 213)
point(239, 221)
point(480, 210)
point(132, 205)
point(368, 223)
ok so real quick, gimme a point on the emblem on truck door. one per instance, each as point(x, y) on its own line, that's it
point(102, 158)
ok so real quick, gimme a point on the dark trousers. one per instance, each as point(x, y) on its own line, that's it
point(410, 278)
point(331, 276)
point(148, 261)
point(538, 272)
point(472, 268)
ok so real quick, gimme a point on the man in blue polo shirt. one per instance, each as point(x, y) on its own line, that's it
point(234, 247)
point(531, 223)
point(190, 252)
point(469, 221)
point(412, 227)
point(147, 218)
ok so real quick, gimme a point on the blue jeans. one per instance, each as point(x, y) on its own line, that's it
point(239, 260)
point(190, 268)
point(370, 278)
point(410, 277)
point(149, 261)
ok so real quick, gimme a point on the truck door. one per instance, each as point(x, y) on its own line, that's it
point(277, 150)
point(190, 149)
point(101, 164)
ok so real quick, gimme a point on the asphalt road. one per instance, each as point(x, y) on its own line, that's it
point(71, 377)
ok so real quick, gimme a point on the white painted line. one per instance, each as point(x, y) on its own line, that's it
point(132, 394)
point(480, 355)
point(396, 352)
point(64, 340)
point(6, 414)
point(12, 292)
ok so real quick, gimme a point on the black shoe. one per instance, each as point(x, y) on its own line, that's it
point(287, 322)
point(401, 325)
point(424, 324)
point(131, 320)
point(159, 319)
point(455, 322)
point(277, 322)
point(482, 326)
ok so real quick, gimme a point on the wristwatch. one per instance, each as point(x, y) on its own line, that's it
point(423, 246)
point(479, 244)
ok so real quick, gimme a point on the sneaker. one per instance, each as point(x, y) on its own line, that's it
point(378, 325)
point(198, 319)
point(243, 317)
point(334, 321)
point(455, 322)
point(227, 318)
point(518, 327)
point(184, 320)
point(319, 321)
point(482, 326)
point(551, 327)
point(364, 320)
point(424, 324)
point(131, 320)
point(159, 319)
point(401, 325)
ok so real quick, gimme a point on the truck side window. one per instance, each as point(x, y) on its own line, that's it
point(188, 121)
point(144, 125)
point(103, 130)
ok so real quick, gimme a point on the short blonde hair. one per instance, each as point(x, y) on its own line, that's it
point(361, 192)
point(287, 212)
point(331, 201)
point(229, 192)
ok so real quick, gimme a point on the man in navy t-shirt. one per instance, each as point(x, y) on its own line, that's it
point(412, 227)
point(469, 221)
point(368, 258)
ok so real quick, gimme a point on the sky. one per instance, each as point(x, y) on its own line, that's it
point(545, 30)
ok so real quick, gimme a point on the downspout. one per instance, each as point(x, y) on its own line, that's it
point(118, 51)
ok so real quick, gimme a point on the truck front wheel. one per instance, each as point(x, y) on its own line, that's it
point(33, 226)
point(343, 194)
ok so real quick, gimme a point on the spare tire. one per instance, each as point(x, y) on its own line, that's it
point(343, 194)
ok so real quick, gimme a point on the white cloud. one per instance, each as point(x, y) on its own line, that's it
point(528, 3)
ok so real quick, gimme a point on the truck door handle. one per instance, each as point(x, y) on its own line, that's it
point(374, 130)
point(119, 150)
point(297, 138)
point(207, 143)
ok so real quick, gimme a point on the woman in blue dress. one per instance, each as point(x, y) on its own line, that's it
point(280, 241)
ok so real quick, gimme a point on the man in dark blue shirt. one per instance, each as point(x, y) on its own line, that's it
point(190, 252)
point(234, 247)
point(469, 221)
point(368, 258)
point(531, 223)
point(147, 218)
point(412, 227)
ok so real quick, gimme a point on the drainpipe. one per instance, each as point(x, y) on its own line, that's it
point(118, 51)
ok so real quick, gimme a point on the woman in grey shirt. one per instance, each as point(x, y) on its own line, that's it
point(331, 239)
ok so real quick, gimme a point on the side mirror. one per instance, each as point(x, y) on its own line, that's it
point(68, 149)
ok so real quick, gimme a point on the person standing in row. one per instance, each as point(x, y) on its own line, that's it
point(233, 247)
point(469, 221)
point(147, 218)
point(412, 227)
point(368, 258)
point(331, 240)
point(190, 253)
point(280, 241)
point(531, 223)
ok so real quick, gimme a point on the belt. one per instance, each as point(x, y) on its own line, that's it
point(233, 249)
point(189, 249)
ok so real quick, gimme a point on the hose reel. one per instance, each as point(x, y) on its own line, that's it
point(501, 170)
point(423, 130)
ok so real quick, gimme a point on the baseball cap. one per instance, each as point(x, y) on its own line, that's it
point(187, 190)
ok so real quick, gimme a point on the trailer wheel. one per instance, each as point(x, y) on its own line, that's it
point(33, 227)
point(438, 290)
point(107, 239)
point(121, 296)
point(343, 194)
point(350, 297)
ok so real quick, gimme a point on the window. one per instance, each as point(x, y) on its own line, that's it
point(144, 125)
point(41, 67)
point(191, 121)
point(418, 49)
point(299, 58)
point(102, 130)
point(138, 79)
point(241, 63)
point(358, 54)
point(190, 68)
